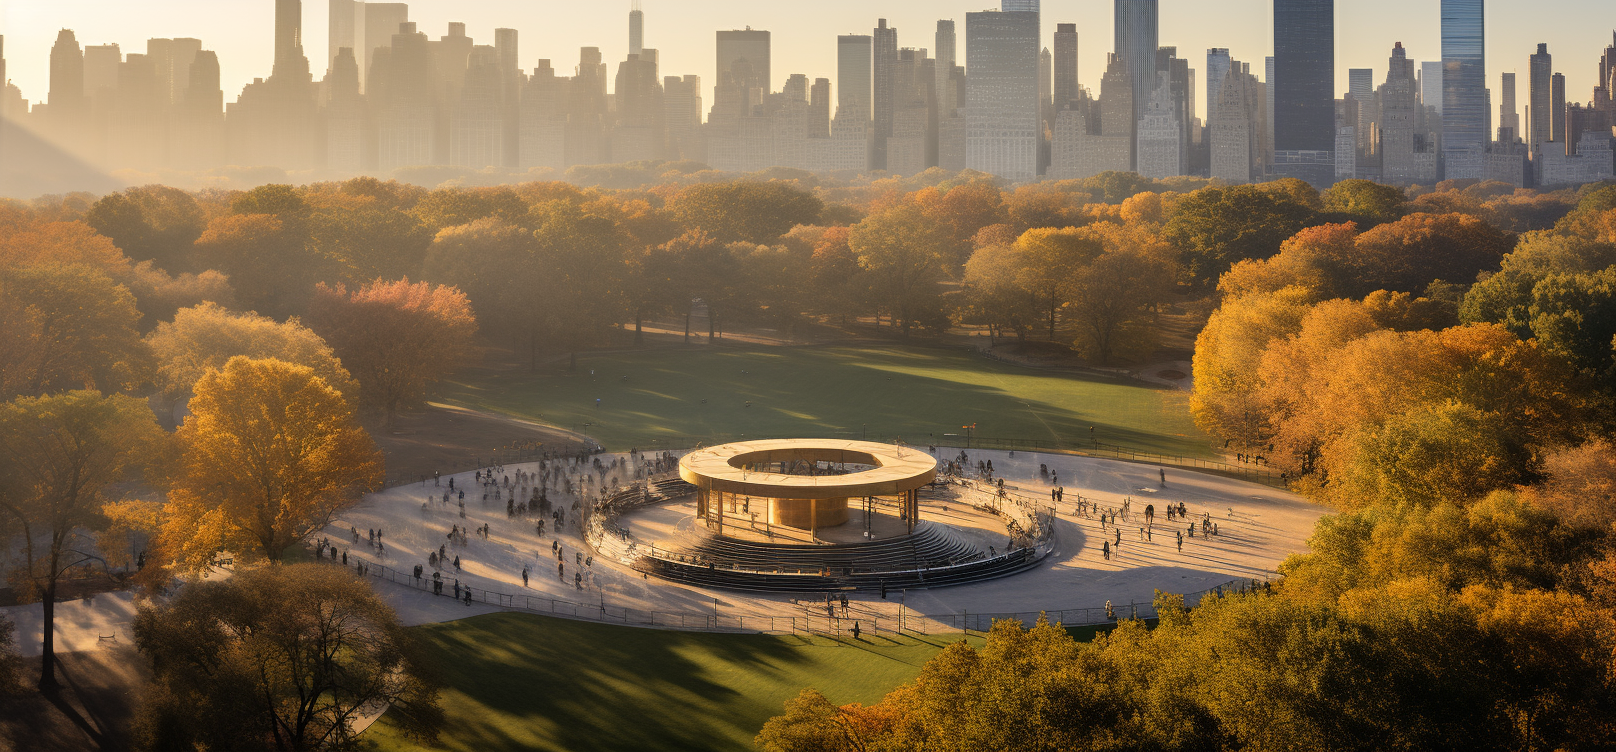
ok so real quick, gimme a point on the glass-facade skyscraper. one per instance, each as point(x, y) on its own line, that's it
point(1304, 75)
point(1304, 86)
point(1464, 87)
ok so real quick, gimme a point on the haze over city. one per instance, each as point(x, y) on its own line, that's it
point(803, 42)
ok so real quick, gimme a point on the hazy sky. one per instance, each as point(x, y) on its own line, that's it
point(242, 32)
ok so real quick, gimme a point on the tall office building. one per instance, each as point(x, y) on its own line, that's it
point(101, 62)
point(1431, 84)
point(1304, 82)
point(945, 53)
point(885, 81)
point(1464, 88)
point(1137, 30)
point(1218, 65)
point(1361, 88)
point(1002, 128)
point(850, 130)
point(288, 29)
point(375, 25)
point(1509, 117)
point(66, 98)
point(745, 45)
point(1557, 110)
point(1019, 6)
point(636, 29)
point(1539, 112)
point(1065, 62)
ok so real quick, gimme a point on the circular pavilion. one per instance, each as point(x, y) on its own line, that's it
point(804, 483)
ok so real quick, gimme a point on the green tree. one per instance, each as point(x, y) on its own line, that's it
point(1366, 201)
point(995, 292)
point(61, 458)
point(748, 211)
point(1048, 262)
point(153, 223)
point(1214, 228)
point(283, 658)
point(1114, 302)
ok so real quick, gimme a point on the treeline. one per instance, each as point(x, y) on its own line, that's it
point(553, 268)
point(1446, 383)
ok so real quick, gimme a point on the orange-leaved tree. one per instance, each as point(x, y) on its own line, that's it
point(270, 454)
point(398, 338)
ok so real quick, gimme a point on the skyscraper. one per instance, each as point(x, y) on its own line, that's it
point(636, 29)
point(1217, 67)
point(374, 27)
point(1304, 82)
point(1509, 117)
point(1019, 6)
point(750, 46)
point(66, 77)
point(1065, 60)
point(946, 57)
point(1538, 109)
point(341, 30)
point(1003, 128)
point(1464, 88)
point(1431, 84)
point(850, 130)
point(885, 63)
point(1137, 33)
point(288, 29)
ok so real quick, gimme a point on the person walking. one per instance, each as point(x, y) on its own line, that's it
point(855, 630)
point(1181, 543)
point(1105, 550)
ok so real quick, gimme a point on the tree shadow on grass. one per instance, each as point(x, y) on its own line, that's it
point(524, 682)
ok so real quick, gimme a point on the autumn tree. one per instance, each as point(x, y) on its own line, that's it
point(453, 207)
point(34, 243)
point(1411, 253)
point(86, 325)
point(160, 295)
point(959, 212)
point(755, 212)
point(60, 458)
point(1114, 303)
point(152, 223)
point(580, 254)
point(368, 241)
point(267, 259)
point(1050, 261)
point(1228, 355)
point(206, 337)
point(22, 344)
point(898, 250)
point(397, 338)
point(279, 658)
point(995, 294)
point(1320, 259)
point(269, 455)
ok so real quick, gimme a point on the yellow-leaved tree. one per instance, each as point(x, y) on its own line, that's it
point(270, 454)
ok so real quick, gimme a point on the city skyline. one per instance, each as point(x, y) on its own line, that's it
point(801, 45)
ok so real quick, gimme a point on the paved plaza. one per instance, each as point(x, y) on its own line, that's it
point(1258, 527)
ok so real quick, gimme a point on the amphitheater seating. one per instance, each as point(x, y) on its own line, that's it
point(731, 579)
point(932, 557)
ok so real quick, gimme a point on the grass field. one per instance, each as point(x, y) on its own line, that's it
point(881, 392)
point(520, 682)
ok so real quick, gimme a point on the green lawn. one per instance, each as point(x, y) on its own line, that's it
point(521, 682)
point(914, 394)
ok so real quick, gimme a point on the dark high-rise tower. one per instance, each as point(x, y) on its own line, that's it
point(1304, 75)
point(1137, 32)
point(1539, 113)
point(1465, 110)
point(1065, 65)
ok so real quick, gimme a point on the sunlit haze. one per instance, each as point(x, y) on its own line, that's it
point(804, 35)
